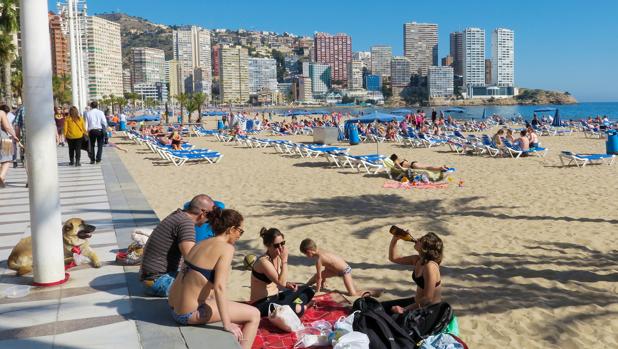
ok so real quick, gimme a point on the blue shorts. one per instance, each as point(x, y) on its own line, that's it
point(161, 286)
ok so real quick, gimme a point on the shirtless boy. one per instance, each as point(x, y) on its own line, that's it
point(333, 266)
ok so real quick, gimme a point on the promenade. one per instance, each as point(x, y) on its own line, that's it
point(96, 308)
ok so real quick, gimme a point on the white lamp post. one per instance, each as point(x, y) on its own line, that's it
point(45, 218)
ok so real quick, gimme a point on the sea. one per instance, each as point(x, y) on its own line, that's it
point(566, 111)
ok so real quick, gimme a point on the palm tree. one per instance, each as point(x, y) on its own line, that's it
point(182, 99)
point(191, 106)
point(199, 99)
point(9, 25)
point(133, 97)
point(122, 102)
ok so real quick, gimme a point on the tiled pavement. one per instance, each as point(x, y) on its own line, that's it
point(96, 308)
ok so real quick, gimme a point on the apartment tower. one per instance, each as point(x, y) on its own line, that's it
point(336, 51)
point(503, 57)
point(104, 62)
point(420, 45)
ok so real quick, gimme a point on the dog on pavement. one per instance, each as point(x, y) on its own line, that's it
point(75, 235)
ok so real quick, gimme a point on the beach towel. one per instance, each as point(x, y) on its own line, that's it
point(329, 307)
point(414, 185)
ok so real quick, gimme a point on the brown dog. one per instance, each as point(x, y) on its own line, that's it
point(75, 233)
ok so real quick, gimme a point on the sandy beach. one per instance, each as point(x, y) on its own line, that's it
point(530, 248)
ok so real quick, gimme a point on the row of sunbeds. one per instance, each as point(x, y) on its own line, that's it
point(187, 153)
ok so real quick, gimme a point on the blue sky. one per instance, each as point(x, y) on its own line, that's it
point(568, 45)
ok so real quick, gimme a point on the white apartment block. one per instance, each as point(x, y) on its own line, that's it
point(262, 74)
point(474, 57)
point(503, 57)
point(355, 75)
point(234, 71)
point(401, 71)
point(320, 75)
point(420, 45)
point(440, 81)
point(147, 65)
point(363, 56)
point(104, 64)
point(191, 46)
point(381, 60)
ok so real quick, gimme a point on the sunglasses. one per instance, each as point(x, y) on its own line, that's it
point(281, 244)
point(240, 231)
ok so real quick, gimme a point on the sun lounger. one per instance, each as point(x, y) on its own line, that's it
point(179, 159)
point(581, 160)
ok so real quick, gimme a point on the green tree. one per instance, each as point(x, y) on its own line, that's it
point(192, 105)
point(280, 58)
point(122, 102)
point(62, 91)
point(182, 99)
point(133, 97)
point(199, 99)
point(9, 25)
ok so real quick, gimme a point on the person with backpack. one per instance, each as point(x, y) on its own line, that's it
point(426, 273)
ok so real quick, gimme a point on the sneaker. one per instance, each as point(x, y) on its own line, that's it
point(91, 162)
point(77, 164)
point(98, 161)
point(71, 163)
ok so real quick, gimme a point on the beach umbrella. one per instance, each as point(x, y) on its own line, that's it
point(556, 121)
point(484, 116)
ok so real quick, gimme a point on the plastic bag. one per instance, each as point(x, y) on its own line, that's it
point(352, 340)
point(344, 324)
point(322, 325)
point(311, 337)
point(284, 318)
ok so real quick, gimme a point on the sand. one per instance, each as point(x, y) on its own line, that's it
point(530, 248)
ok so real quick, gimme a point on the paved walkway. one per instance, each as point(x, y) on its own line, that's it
point(96, 308)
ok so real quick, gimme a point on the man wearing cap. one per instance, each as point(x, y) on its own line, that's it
point(171, 239)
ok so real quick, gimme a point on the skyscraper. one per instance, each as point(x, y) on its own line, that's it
point(420, 45)
point(174, 79)
point(401, 71)
point(104, 58)
point(381, 56)
point(262, 74)
point(457, 52)
point(320, 75)
point(363, 56)
point(488, 71)
point(234, 71)
point(147, 65)
point(440, 81)
point(474, 57)
point(191, 46)
point(355, 75)
point(59, 46)
point(335, 51)
point(503, 57)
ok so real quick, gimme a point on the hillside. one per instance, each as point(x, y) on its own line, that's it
point(139, 32)
point(536, 96)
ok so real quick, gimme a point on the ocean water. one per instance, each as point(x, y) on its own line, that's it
point(571, 111)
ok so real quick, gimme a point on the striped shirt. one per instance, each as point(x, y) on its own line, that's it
point(161, 253)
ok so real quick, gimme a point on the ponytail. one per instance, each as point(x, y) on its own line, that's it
point(269, 235)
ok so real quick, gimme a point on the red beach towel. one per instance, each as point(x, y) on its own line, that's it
point(330, 307)
point(412, 185)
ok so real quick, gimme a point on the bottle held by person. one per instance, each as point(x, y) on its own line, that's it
point(402, 234)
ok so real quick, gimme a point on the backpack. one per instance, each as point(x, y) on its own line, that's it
point(382, 330)
point(426, 321)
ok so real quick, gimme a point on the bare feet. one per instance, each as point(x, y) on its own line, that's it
point(2, 184)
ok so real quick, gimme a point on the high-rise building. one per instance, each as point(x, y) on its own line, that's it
point(474, 57)
point(503, 57)
point(215, 61)
point(262, 75)
point(147, 65)
point(401, 71)
point(487, 71)
point(61, 64)
point(363, 56)
point(335, 51)
point(457, 52)
point(191, 46)
point(126, 81)
point(440, 81)
point(355, 75)
point(320, 75)
point(174, 78)
point(381, 56)
point(104, 58)
point(447, 61)
point(234, 74)
point(420, 45)
point(301, 88)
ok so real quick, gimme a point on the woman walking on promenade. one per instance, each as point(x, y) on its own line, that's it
point(207, 268)
point(59, 119)
point(74, 131)
point(7, 136)
point(269, 275)
point(425, 274)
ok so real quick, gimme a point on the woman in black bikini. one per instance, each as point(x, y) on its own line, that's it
point(269, 275)
point(425, 274)
point(206, 269)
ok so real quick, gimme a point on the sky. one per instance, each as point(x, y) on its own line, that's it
point(565, 45)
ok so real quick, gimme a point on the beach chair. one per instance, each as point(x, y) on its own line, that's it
point(581, 160)
point(514, 151)
point(393, 172)
point(490, 146)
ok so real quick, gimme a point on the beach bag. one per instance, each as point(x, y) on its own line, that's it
point(441, 341)
point(383, 332)
point(426, 321)
point(352, 340)
point(284, 318)
point(85, 140)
